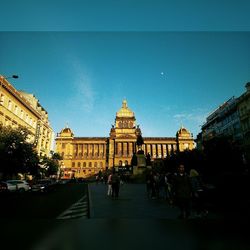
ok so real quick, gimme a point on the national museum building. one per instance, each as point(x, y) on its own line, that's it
point(84, 156)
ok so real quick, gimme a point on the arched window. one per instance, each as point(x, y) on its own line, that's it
point(79, 164)
point(120, 163)
point(84, 164)
point(73, 164)
point(95, 164)
point(126, 163)
point(90, 164)
point(101, 165)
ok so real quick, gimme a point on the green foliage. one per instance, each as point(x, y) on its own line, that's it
point(223, 155)
point(50, 165)
point(56, 156)
point(220, 155)
point(16, 154)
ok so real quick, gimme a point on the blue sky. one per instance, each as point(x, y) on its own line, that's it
point(86, 60)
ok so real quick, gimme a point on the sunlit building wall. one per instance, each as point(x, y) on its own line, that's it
point(84, 156)
point(18, 108)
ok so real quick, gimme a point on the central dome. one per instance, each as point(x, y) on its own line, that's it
point(125, 111)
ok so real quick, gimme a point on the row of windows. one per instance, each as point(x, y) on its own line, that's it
point(13, 124)
point(21, 114)
point(244, 110)
point(246, 125)
point(45, 132)
point(87, 164)
point(85, 154)
point(18, 111)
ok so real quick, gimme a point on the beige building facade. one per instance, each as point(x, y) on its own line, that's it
point(84, 156)
point(18, 108)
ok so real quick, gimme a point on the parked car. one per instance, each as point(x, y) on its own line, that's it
point(3, 187)
point(43, 185)
point(64, 181)
point(17, 185)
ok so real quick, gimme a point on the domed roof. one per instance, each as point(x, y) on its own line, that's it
point(125, 111)
point(66, 132)
point(183, 132)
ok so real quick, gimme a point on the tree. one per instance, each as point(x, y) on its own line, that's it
point(51, 165)
point(16, 153)
point(223, 155)
point(190, 158)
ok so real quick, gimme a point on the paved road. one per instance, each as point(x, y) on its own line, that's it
point(27, 218)
point(132, 204)
point(134, 222)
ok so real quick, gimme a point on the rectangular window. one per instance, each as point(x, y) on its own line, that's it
point(16, 109)
point(1, 99)
point(9, 105)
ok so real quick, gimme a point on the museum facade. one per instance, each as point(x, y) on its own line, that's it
point(85, 156)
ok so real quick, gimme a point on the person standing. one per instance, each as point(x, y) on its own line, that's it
point(168, 189)
point(149, 177)
point(115, 180)
point(197, 194)
point(182, 191)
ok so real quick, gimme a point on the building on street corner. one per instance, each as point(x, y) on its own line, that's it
point(85, 156)
point(244, 115)
point(232, 120)
point(18, 108)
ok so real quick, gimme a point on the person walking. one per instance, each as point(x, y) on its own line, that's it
point(109, 185)
point(182, 191)
point(168, 189)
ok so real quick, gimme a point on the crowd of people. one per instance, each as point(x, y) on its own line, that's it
point(179, 189)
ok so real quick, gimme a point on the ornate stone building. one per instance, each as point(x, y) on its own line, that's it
point(84, 156)
point(18, 108)
point(244, 115)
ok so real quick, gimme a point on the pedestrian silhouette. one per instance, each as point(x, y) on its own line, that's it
point(182, 191)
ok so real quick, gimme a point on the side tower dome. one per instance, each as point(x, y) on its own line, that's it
point(66, 132)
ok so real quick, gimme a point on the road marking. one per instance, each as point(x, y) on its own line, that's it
point(76, 210)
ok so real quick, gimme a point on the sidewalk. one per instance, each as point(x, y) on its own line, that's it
point(135, 222)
